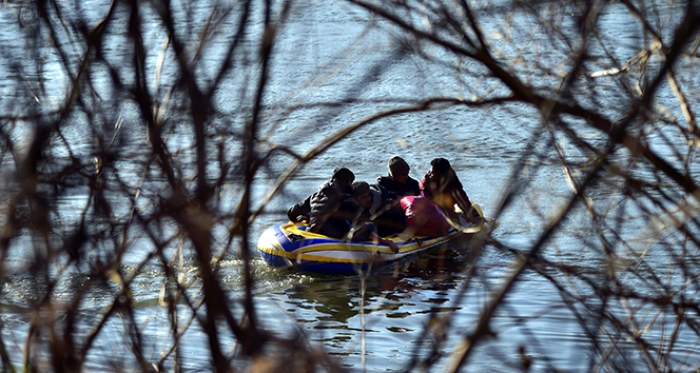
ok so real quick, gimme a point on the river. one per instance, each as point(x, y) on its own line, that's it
point(329, 52)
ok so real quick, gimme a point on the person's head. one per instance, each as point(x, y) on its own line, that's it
point(398, 169)
point(440, 168)
point(360, 189)
point(343, 175)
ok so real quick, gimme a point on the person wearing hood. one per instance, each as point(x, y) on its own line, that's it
point(398, 181)
point(331, 209)
point(380, 207)
point(376, 217)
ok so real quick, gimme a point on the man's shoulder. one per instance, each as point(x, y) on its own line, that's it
point(383, 180)
point(326, 184)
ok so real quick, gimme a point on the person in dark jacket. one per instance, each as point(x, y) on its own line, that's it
point(442, 186)
point(380, 207)
point(375, 218)
point(398, 181)
point(331, 209)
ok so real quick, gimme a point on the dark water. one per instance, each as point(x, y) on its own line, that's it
point(329, 52)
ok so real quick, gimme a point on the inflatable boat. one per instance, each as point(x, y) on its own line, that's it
point(290, 246)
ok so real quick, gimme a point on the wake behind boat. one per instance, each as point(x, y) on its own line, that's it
point(292, 247)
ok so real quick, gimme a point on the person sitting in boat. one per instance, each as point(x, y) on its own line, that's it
point(423, 217)
point(398, 181)
point(442, 186)
point(373, 220)
point(331, 209)
point(379, 206)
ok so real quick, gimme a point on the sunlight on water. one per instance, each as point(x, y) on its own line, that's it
point(385, 320)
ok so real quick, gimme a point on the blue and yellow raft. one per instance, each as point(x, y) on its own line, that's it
point(290, 246)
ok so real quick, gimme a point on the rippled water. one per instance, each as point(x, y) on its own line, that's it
point(375, 323)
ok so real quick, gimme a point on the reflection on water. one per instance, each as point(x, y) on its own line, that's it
point(340, 311)
point(385, 319)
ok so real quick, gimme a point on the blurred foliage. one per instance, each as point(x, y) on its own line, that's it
point(124, 123)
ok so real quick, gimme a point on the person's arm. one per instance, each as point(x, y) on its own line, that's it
point(300, 211)
point(366, 232)
point(392, 245)
point(460, 197)
point(424, 188)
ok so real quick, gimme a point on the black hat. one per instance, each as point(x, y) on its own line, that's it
point(398, 166)
point(343, 174)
